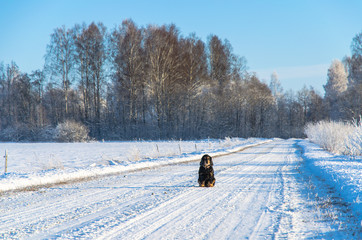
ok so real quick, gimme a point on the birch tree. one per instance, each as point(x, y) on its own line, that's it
point(128, 59)
point(194, 79)
point(91, 56)
point(219, 62)
point(164, 62)
point(59, 60)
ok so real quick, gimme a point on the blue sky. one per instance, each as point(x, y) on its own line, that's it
point(297, 39)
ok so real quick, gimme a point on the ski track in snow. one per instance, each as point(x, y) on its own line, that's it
point(264, 192)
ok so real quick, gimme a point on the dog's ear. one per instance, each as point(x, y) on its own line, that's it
point(203, 159)
point(211, 162)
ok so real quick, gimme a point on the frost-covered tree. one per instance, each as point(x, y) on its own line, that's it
point(336, 80)
point(337, 83)
point(275, 85)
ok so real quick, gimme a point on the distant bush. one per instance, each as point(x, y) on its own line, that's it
point(71, 131)
point(47, 134)
point(9, 134)
point(20, 133)
point(336, 137)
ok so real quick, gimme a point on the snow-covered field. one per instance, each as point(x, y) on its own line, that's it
point(32, 165)
point(265, 189)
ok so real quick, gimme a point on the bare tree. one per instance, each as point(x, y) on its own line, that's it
point(52, 101)
point(194, 79)
point(354, 96)
point(12, 73)
point(128, 60)
point(164, 62)
point(3, 96)
point(259, 107)
point(37, 81)
point(219, 62)
point(59, 60)
point(163, 85)
point(90, 58)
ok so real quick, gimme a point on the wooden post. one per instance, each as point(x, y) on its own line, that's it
point(6, 161)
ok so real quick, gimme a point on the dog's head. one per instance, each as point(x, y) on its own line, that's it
point(206, 161)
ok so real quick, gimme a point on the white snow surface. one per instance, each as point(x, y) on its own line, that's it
point(34, 165)
point(341, 173)
point(265, 189)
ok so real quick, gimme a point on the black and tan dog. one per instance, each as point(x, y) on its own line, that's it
point(206, 172)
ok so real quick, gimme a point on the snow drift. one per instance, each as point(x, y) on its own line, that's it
point(342, 173)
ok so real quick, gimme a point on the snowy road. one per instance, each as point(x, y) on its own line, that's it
point(263, 192)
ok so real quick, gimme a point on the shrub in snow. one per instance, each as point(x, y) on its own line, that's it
point(354, 140)
point(336, 137)
point(329, 135)
point(71, 131)
point(47, 134)
point(19, 133)
point(9, 135)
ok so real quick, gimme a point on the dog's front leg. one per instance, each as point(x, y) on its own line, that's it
point(212, 183)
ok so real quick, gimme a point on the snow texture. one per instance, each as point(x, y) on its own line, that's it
point(341, 173)
point(265, 189)
point(45, 164)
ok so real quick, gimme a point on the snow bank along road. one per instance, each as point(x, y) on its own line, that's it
point(263, 192)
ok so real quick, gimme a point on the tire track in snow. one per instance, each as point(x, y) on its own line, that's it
point(39, 209)
point(41, 214)
point(265, 188)
point(196, 206)
point(250, 189)
point(141, 230)
point(257, 195)
point(155, 218)
point(38, 214)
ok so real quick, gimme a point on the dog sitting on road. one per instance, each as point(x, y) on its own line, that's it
point(206, 172)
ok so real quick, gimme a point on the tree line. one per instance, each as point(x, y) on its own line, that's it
point(153, 83)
